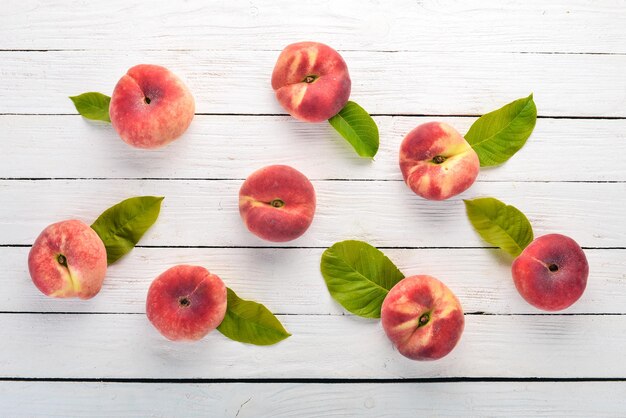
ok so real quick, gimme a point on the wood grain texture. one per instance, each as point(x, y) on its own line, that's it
point(409, 61)
point(429, 83)
point(289, 281)
point(324, 346)
point(492, 25)
point(384, 213)
point(288, 400)
point(232, 147)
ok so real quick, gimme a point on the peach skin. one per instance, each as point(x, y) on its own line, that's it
point(150, 107)
point(68, 259)
point(551, 273)
point(277, 203)
point(422, 318)
point(311, 81)
point(437, 162)
point(186, 302)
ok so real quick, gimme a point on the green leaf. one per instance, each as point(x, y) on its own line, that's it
point(250, 322)
point(93, 105)
point(358, 128)
point(359, 276)
point(121, 226)
point(500, 224)
point(498, 135)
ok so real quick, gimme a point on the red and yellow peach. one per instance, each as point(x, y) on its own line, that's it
point(186, 302)
point(422, 317)
point(277, 203)
point(311, 81)
point(437, 162)
point(68, 259)
point(150, 107)
point(551, 273)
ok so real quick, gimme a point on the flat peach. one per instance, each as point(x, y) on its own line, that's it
point(551, 273)
point(437, 162)
point(186, 302)
point(68, 259)
point(150, 107)
point(311, 81)
point(422, 317)
point(277, 203)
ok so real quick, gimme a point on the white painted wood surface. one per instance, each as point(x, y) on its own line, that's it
point(534, 26)
point(288, 281)
point(288, 400)
point(322, 346)
point(556, 147)
point(432, 83)
point(206, 212)
point(411, 62)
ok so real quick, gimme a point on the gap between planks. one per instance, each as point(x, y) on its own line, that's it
point(326, 314)
point(270, 247)
point(406, 115)
point(313, 380)
point(312, 179)
point(341, 50)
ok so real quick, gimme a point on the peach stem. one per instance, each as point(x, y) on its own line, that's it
point(277, 203)
point(310, 78)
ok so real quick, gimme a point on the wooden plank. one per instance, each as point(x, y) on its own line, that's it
point(375, 400)
point(429, 83)
point(232, 147)
point(408, 59)
point(288, 280)
point(322, 346)
point(561, 26)
point(384, 213)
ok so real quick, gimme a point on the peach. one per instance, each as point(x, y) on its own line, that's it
point(68, 259)
point(277, 203)
point(422, 318)
point(150, 107)
point(551, 273)
point(437, 162)
point(186, 302)
point(311, 81)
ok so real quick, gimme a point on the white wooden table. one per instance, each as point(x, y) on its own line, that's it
point(410, 62)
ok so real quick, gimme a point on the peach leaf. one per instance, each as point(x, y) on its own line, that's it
point(359, 276)
point(500, 224)
point(93, 105)
point(498, 135)
point(250, 322)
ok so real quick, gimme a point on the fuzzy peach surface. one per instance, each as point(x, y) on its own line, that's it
point(68, 259)
point(277, 203)
point(311, 81)
point(437, 162)
point(186, 302)
point(551, 273)
point(150, 107)
point(422, 317)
